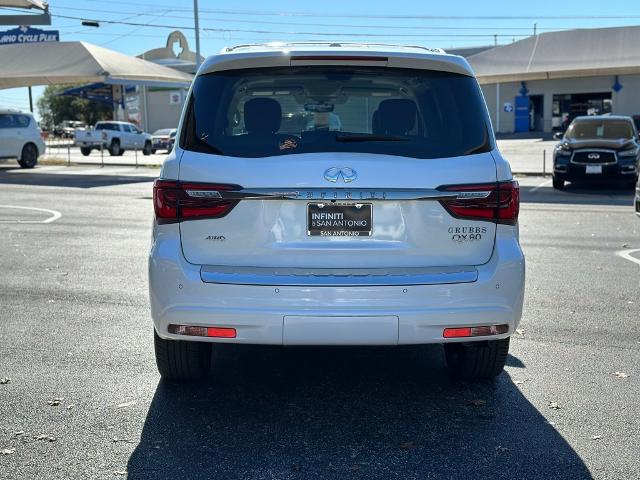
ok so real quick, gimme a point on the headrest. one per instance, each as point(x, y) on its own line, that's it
point(397, 116)
point(262, 115)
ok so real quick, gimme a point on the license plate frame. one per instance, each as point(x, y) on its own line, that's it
point(349, 224)
point(593, 169)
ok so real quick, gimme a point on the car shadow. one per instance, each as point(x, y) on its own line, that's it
point(579, 194)
point(355, 412)
point(17, 176)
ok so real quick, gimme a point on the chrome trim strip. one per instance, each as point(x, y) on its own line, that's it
point(347, 194)
point(204, 194)
point(338, 277)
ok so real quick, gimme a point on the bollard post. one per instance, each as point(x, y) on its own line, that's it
point(136, 150)
point(544, 163)
point(68, 154)
point(102, 154)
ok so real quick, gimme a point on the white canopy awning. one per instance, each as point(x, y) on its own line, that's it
point(51, 63)
point(39, 4)
point(562, 54)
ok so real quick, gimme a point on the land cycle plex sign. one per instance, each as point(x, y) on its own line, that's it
point(28, 35)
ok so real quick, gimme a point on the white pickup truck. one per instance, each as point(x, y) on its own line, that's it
point(115, 137)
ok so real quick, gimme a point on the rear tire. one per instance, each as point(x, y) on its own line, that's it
point(179, 360)
point(558, 184)
point(28, 156)
point(477, 360)
point(146, 150)
point(85, 151)
point(114, 148)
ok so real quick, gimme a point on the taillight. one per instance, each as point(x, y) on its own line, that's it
point(494, 202)
point(176, 201)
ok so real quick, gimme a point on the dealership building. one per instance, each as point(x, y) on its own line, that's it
point(537, 83)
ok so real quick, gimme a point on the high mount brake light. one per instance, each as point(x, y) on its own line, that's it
point(176, 201)
point(494, 202)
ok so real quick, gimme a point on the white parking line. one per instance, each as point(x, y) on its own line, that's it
point(55, 215)
point(543, 184)
point(626, 254)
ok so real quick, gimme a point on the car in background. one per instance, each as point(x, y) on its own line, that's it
point(116, 137)
point(400, 227)
point(163, 139)
point(601, 147)
point(20, 138)
point(67, 128)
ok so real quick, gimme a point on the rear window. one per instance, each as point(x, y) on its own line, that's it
point(107, 126)
point(606, 129)
point(10, 120)
point(284, 111)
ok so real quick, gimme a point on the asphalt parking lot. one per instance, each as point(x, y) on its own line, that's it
point(84, 399)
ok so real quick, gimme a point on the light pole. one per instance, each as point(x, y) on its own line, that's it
point(197, 25)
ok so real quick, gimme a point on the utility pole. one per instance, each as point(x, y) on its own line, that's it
point(495, 39)
point(535, 29)
point(197, 25)
point(30, 100)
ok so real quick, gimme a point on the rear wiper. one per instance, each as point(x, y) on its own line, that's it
point(371, 138)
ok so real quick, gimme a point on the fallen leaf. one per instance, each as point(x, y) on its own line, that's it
point(620, 374)
point(120, 473)
point(126, 404)
point(518, 382)
point(19, 432)
point(7, 451)
point(596, 437)
point(520, 331)
point(116, 440)
point(478, 402)
point(55, 402)
point(407, 445)
point(70, 406)
point(5, 380)
point(554, 405)
point(44, 436)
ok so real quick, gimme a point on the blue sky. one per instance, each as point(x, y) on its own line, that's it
point(409, 22)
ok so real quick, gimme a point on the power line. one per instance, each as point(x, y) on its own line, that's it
point(385, 16)
point(305, 24)
point(275, 32)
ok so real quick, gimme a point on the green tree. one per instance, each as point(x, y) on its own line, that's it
point(55, 108)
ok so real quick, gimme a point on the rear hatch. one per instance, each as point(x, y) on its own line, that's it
point(406, 222)
point(337, 167)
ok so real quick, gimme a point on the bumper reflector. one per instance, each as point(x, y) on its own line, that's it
point(483, 331)
point(220, 332)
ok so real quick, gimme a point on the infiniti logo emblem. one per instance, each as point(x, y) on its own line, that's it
point(593, 156)
point(334, 173)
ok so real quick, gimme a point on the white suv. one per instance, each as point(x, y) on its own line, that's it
point(20, 138)
point(335, 195)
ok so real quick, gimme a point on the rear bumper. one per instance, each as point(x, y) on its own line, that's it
point(354, 315)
